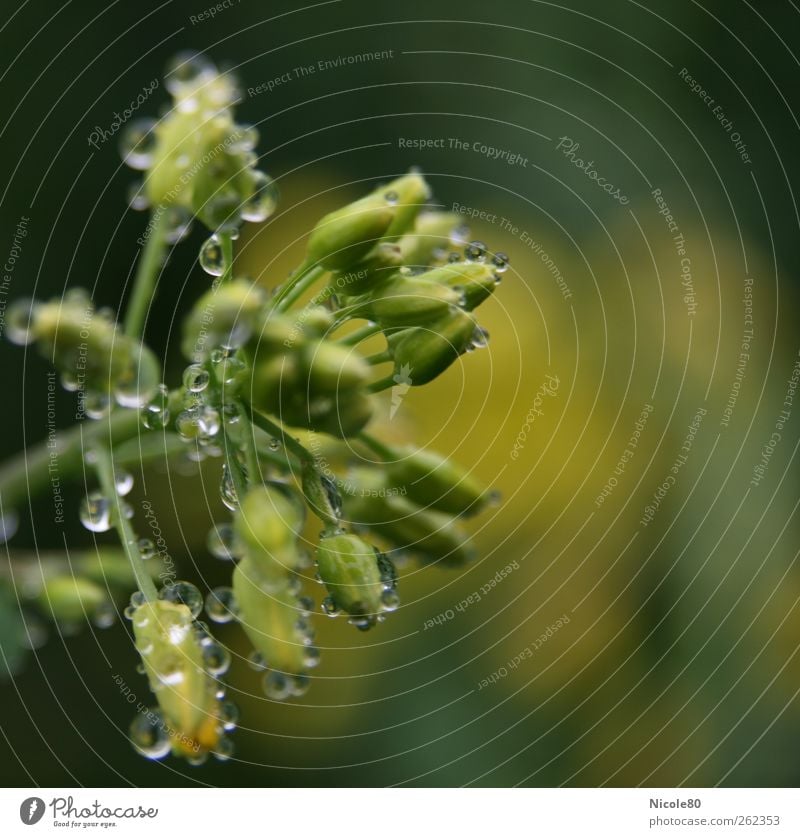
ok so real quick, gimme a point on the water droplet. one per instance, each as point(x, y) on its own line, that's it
point(390, 600)
point(311, 656)
point(475, 251)
point(363, 623)
point(147, 549)
point(480, 338)
point(9, 522)
point(95, 512)
point(186, 70)
point(299, 684)
point(263, 201)
point(96, 404)
point(105, 615)
point(211, 257)
point(329, 606)
point(197, 759)
point(216, 659)
point(221, 212)
point(391, 198)
point(123, 482)
point(500, 262)
point(274, 444)
point(454, 258)
point(20, 319)
point(221, 605)
point(222, 542)
point(149, 735)
point(256, 661)
point(195, 378)
point(138, 142)
point(227, 490)
point(182, 592)
point(223, 749)
point(155, 413)
point(137, 198)
point(277, 685)
point(228, 715)
point(245, 138)
point(178, 224)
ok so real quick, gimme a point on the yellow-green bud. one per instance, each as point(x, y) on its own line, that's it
point(404, 301)
point(347, 416)
point(424, 353)
point(322, 495)
point(434, 481)
point(409, 194)
point(476, 280)
point(71, 599)
point(357, 577)
point(435, 234)
point(331, 368)
point(172, 652)
point(345, 236)
point(377, 266)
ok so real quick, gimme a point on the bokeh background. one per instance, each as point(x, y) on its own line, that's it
point(678, 665)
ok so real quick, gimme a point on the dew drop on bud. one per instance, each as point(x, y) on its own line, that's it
point(228, 715)
point(221, 605)
point(311, 656)
point(155, 413)
point(391, 198)
point(147, 549)
point(96, 404)
point(137, 199)
point(227, 490)
point(216, 659)
point(480, 338)
point(224, 749)
point(195, 378)
point(390, 600)
point(475, 251)
point(329, 606)
point(277, 685)
point(20, 317)
point(182, 592)
point(137, 143)
point(178, 224)
point(95, 512)
point(263, 201)
point(149, 734)
point(221, 542)
point(186, 70)
point(212, 259)
point(123, 482)
point(500, 262)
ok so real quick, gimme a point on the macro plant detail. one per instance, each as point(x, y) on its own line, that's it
point(277, 386)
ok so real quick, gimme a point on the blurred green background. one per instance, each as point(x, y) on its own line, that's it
point(679, 661)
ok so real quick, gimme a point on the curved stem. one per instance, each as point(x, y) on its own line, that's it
point(226, 244)
point(296, 286)
point(381, 385)
point(360, 334)
point(104, 468)
point(250, 452)
point(377, 446)
point(144, 283)
point(279, 432)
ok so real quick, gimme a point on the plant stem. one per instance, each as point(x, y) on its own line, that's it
point(381, 385)
point(360, 334)
point(276, 430)
point(104, 468)
point(144, 283)
point(226, 244)
point(380, 357)
point(303, 278)
point(250, 452)
point(377, 446)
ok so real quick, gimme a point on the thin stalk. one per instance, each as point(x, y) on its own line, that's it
point(380, 357)
point(104, 469)
point(360, 334)
point(377, 446)
point(381, 385)
point(250, 452)
point(144, 283)
point(303, 278)
point(234, 466)
point(290, 443)
point(226, 244)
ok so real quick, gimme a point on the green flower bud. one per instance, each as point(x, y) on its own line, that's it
point(357, 577)
point(268, 380)
point(268, 525)
point(348, 415)
point(404, 301)
point(321, 495)
point(172, 652)
point(476, 280)
point(331, 368)
point(377, 266)
point(424, 353)
point(71, 599)
point(432, 480)
point(226, 315)
point(316, 322)
point(345, 236)
point(409, 193)
point(382, 509)
point(270, 618)
point(434, 235)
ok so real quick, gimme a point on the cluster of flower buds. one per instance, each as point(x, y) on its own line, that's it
point(182, 663)
point(88, 348)
point(197, 161)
